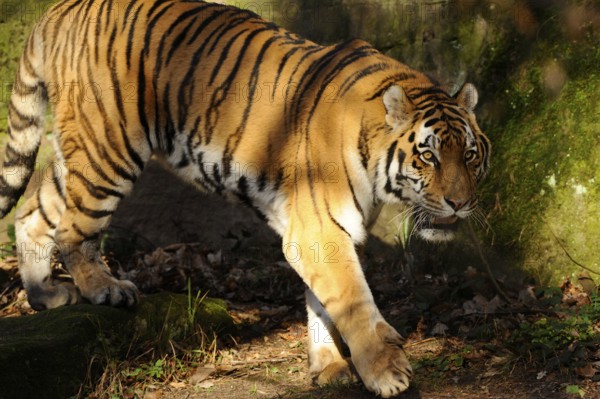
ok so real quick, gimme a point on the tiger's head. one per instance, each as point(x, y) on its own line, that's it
point(436, 155)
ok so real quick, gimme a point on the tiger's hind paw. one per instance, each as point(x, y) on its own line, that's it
point(54, 295)
point(338, 372)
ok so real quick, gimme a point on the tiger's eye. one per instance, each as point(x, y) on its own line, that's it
point(470, 155)
point(428, 157)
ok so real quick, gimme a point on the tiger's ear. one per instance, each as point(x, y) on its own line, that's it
point(397, 105)
point(467, 96)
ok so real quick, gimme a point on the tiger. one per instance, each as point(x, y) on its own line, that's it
point(313, 138)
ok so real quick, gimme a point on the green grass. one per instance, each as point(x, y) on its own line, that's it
point(16, 21)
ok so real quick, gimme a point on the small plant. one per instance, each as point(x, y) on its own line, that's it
point(575, 390)
point(194, 302)
point(555, 335)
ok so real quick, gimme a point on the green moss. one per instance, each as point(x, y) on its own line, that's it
point(545, 165)
point(50, 352)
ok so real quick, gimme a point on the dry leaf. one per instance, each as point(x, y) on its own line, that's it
point(206, 384)
point(587, 371)
point(153, 394)
point(178, 384)
point(439, 329)
point(201, 374)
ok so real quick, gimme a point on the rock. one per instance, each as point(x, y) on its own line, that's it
point(48, 355)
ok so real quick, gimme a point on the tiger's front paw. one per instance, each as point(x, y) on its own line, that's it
point(337, 372)
point(107, 290)
point(382, 363)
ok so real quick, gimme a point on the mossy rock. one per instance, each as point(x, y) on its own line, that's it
point(48, 355)
point(545, 176)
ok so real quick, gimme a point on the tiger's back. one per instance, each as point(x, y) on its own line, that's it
point(312, 137)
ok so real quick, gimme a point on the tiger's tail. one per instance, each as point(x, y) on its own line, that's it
point(26, 121)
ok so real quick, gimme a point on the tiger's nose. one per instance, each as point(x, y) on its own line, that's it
point(456, 203)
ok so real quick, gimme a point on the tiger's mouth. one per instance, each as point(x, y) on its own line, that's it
point(439, 229)
point(444, 222)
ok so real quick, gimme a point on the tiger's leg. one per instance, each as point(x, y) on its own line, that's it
point(98, 177)
point(90, 203)
point(339, 284)
point(326, 362)
point(35, 224)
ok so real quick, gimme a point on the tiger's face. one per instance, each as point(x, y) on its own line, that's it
point(435, 157)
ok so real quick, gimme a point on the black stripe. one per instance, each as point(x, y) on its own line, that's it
point(390, 155)
point(179, 40)
point(289, 122)
point(223, 56)
point(204, 24)
point(195, 132)
point(349, 182)
point(157, 3)
point(18, 121)
point(99, 192)
point(357, 54)
point(282, 64)
point(109, 134)
point(121, 171)
point(109, 49)
point(85, 236)
point(130, 150)
point(308, 78)
point(234, 140)
point(221, 92)
point(57, 186)
point(361, 74)
point(92, 213)
point(25, 215)
point(42, 211)
point(109, 9)
point(142, 102)
point(207, 180)
point(186, 87)
point(97, 31)
point(334, 219)
point(169, 129)
point(116, 86)
point(130, 41)
point(161, 47)
point(363, 145)
point(152, 23)
point(12, 193)
point(245, 198)
point(127, 12)
point(389, 81)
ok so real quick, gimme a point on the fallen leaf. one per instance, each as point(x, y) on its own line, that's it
point(439, 329)
point(541, 374)
point(586, 371)
point(206, 384)
point(153, 394)
point(201, 374)
point(178, 384)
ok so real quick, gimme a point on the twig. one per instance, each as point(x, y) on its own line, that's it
point(421, 342)
point(255, 361)
point(568, 254)
point(488, 268)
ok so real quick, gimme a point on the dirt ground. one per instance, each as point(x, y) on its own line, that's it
point(464, 338)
